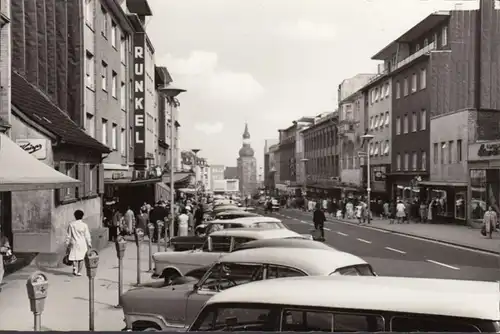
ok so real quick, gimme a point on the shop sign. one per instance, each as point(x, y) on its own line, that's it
point(139, 96)
point(36, 147)
point(484, 151)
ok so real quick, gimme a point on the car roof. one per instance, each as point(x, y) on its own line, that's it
point(247, 220)
point(456, 298)
point(256, 233)
point(310, 261)
point(237, 212)
point(288, 243)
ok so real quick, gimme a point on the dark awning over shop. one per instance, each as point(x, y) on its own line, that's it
point(127, 182)
point(443, 184)
point(20, 171)
point(178, 178)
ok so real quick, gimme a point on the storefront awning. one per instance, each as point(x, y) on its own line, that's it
point(443, 184)
point(178, 177)
point(20, 171)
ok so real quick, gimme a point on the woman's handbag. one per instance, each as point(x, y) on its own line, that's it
point(66, 261)
point(483, 230)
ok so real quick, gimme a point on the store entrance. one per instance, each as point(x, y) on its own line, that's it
point(5, 217)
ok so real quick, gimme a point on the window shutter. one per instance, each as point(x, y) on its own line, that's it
point(100, 177)
point(80, 190)
point(60, 193)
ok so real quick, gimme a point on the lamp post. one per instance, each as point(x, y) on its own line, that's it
point(170, 92)
point(367, 138)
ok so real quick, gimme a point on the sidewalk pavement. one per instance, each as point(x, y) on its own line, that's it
point(456, 235)
point(66, 306)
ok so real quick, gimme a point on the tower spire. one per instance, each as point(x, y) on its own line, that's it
point(246, 133)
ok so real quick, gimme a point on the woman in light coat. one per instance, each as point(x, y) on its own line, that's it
point(78, 241)
point(490, 221)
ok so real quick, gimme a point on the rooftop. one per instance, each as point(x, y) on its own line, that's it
point(257, 233)
point(414, 32)
point(456, 298)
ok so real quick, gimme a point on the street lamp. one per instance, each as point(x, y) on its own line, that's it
point(170, 92)
point(305, 160)
point(367, 138)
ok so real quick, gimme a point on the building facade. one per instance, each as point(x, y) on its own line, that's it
point(48, 109)
point(216, 174)
point(351, 126)
point(5, 64)
point(287, 163)
point(320, 167)
point(247, 166)
point(378, 110)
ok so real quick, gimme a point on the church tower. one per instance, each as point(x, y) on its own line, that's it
point(247, 166)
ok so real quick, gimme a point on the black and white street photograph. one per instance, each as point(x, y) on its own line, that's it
point(250, 165)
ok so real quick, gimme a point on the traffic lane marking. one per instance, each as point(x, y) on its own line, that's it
point(326, 229)
point(443, 264)
point(363, 240)
point(343, 234)
point(395, 250)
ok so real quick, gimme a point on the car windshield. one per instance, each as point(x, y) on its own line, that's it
point(234, 319)
point(226, 275)
point(357, 270)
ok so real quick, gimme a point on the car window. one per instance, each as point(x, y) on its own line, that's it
point(266, 225)
point(358, 270)
point(430, 324)
point(236, 319)
point(234, 225)
point(226, 275)
point(241, 240)
point(321, 321)
point(278, 271)
point(221, 243)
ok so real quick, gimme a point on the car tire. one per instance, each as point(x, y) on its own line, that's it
point(150, 329)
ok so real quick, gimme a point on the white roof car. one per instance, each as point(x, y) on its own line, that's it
point(442, 297)
point(218, 243)
point(311, 262)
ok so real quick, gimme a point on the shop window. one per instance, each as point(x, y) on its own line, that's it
point(67, 194)
point(485, 184)
point(460, 205)
point(439, 202)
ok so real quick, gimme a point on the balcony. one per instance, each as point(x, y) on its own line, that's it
point(424, 51)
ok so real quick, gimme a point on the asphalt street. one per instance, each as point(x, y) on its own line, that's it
point(397, 255)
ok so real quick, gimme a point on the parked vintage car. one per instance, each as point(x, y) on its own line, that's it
point(175, 307)
point(354, 304)
point(169, 265)
point(286, 243)
point(183, 243)
point(234, 215)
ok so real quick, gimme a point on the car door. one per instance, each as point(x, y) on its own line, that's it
point(220, 277)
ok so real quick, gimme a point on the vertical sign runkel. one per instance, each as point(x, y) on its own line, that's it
point(139, 96)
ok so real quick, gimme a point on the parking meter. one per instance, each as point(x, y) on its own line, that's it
point(139, 236)
point(91, 262)
point(120, 245)
point(160, 229)
point(151, 229)
point(36, 286)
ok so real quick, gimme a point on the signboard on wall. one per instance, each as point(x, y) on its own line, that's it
point(36, 147)
point(484, 151)
point(139, 96)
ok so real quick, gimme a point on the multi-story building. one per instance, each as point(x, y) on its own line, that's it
point(162, 78)
point(350, 129)
point(226, 186)
point(320, 171)
point(231, 173)
point(287, 163)
point(267, 144)
point(216, 174)
point(378, 110)
point(274, 174)
point(202, 174)
point(5, 63)
point(48, 113)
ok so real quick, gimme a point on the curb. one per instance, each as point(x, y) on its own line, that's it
point(417, 236)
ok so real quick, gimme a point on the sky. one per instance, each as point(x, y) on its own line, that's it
point(269, 62)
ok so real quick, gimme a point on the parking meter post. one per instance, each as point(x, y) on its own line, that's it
point(160, 229)
point(36, 286)
point(121, 245)
point(91, 264)
point(139, 237)
point(151, 229)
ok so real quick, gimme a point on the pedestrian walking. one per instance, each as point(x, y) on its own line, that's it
point(129, 220)
point(400, 212)
point(489, 221)
point(115, 223)
point(142, 220)
point(190, 219)
point(198, 215)
point(183, 223)
point(78, 242)
point(319, 221)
